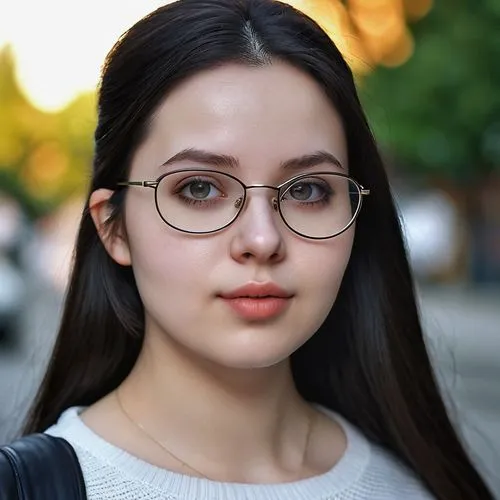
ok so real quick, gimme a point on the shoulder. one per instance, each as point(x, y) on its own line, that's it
point(103, 480)
point(378, 475)
point(387, 477)
point(65, 420)
point(68, 427)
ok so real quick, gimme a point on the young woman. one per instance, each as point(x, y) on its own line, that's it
point(241, 321)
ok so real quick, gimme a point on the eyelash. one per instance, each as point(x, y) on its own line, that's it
point(191, 201)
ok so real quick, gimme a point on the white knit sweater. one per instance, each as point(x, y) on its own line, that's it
point(365, 472)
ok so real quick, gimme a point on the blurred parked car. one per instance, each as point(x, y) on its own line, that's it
point(12, 281)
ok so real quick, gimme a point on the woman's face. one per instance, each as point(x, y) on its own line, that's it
point(262, 117)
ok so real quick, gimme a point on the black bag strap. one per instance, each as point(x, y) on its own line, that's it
point(40, 467)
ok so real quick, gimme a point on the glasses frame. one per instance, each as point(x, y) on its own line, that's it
point(281, 190)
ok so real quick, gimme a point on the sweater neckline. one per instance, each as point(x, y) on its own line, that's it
point(341, 476)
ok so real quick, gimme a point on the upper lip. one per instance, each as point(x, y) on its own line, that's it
point(257, 290)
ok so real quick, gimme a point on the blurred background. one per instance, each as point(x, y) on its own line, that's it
point(428, 73)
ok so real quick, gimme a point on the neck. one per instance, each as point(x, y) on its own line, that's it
point(194, 405)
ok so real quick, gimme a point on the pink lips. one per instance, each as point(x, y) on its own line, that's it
point(257, 301)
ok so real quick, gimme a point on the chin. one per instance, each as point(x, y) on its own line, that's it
point(254, 363)
point(251, 357)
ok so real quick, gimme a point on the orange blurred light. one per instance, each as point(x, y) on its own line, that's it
point(333, 17)
point(416, 9)
point(382, 26)
point(373, 4)
point(401, 50)
point(45, 169)
point(372, 22)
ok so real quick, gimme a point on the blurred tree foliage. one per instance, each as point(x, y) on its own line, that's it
point(438, 115)
point(44, 157)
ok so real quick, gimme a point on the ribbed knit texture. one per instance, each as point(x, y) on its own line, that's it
point(365, 472)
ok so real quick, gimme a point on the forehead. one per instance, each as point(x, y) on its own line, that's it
point(261, 115)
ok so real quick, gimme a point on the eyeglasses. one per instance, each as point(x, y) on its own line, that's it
point(317, 205)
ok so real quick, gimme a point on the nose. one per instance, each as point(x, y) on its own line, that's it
point(257, 233)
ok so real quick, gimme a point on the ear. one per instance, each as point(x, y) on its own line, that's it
point(114, 241)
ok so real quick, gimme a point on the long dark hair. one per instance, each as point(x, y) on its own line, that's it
point(368, 361)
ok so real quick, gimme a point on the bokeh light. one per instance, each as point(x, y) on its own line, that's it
point(59, 45)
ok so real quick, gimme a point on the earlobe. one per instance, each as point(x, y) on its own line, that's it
point(113, 239)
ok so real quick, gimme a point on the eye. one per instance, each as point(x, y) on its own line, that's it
point(301, 191)
point(308, 190)
point(199, 189)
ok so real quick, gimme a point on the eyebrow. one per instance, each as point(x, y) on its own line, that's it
point(311, 160)
point(227, 161)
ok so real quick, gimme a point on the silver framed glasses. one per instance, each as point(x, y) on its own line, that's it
point(318, 205)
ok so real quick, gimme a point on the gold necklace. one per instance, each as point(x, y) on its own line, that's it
point(182, 462)
point(159, 443)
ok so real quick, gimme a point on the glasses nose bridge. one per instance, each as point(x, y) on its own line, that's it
point(274, 200)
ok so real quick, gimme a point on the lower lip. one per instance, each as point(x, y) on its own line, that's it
point(258, 308)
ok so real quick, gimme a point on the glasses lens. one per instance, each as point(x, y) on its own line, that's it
point(320, 206)
point(199, 201)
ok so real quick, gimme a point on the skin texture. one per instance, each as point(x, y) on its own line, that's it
point(205, 376)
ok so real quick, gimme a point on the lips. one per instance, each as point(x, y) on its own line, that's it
point(256, 301)
point(258, 290)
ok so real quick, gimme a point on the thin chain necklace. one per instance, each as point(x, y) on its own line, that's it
point(178, 459)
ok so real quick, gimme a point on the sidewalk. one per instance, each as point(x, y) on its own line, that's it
point(463, 328)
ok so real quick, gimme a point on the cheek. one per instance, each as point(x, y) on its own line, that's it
point(324, 267)
point(167, 264)
point(171, 277)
